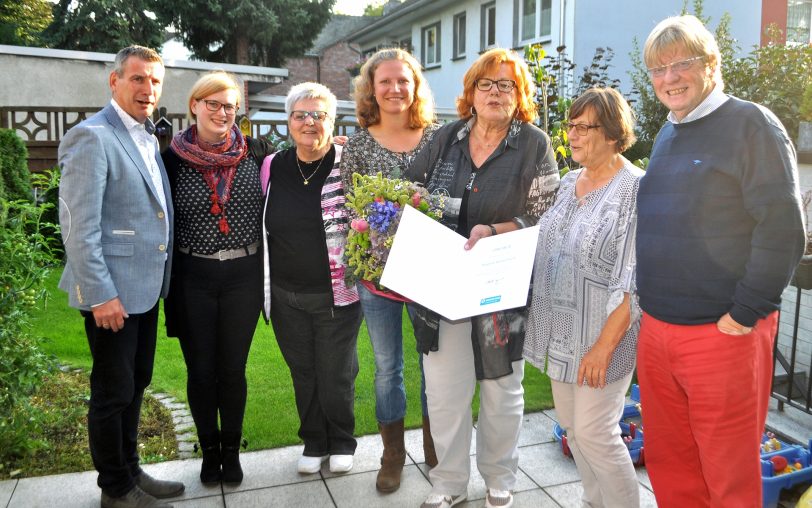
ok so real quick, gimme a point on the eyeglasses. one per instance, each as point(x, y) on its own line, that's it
point(681, 66)
point(214, 106)
point(301, 116)
point(503, 85)
point(581, 128)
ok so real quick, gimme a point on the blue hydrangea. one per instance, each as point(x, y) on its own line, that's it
point(381, 215)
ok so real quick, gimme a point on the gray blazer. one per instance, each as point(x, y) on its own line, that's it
point(113, 226)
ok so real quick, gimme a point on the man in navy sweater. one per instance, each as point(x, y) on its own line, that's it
point(720, 231)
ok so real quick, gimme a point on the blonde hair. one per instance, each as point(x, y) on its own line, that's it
point(213, 82)
point(612, 113)
point(421, 112)
point(488, 64)
point(683, 32)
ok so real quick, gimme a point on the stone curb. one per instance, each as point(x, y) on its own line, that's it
point(185, 432)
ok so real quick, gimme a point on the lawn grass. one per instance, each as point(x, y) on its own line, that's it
point(270, 418)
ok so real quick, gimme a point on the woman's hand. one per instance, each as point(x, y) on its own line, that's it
point(594, 365)
point(340, 140)
point(478, 231)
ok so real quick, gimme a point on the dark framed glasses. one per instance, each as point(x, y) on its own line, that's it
point(214, 106)
point(503, 85)
point(581, 128)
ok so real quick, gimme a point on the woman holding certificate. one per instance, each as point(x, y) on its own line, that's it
point(582, 329)
point(499, 174)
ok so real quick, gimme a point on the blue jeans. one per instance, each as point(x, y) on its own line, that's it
point(384, 319)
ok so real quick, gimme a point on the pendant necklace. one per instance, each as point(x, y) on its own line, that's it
point(307, 178)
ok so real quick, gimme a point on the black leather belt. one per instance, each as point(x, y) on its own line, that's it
point(224, 255)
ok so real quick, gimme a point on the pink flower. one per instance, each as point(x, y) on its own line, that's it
point(416, 199)
point(359, 225)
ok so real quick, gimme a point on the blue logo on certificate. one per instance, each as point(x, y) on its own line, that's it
point(489, 300)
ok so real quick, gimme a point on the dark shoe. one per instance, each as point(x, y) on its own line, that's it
point(428, 443)
point(135, 498)
point(158, 488)
point(210, 469)
point(232, 471)
point(393, 458)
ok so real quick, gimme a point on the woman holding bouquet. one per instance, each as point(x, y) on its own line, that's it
point(216, 293)
point(394, 106)
point(499, 174)
point(315, 316)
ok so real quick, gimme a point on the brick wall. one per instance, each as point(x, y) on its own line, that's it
point(330, 69)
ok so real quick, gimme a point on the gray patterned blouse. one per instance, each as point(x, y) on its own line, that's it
point(584, 264)
point(364, 155)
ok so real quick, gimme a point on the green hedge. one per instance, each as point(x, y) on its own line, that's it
point(16, 179)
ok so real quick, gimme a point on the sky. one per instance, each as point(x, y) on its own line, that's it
point(354, 7)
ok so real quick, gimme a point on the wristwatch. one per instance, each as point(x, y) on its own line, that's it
point(493, 229)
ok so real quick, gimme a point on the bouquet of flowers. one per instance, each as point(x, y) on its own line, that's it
point(376, 205)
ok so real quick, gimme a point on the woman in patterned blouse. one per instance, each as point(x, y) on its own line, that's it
point(583, 324)
point(216, 289)
point(395, 109)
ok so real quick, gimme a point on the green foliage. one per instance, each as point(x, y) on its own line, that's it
point(26, 254)
point(374, 8)
point(806, 104)
point(254, 32)
point(776, 75)
point(14, 166)
point(104, 25)
point(22, 21)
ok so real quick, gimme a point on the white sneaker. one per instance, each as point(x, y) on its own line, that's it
point(310, 465)
point(498, 499)
point(442, 501)
point(340, 463)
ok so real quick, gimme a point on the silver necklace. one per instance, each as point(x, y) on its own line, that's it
point(307, 178)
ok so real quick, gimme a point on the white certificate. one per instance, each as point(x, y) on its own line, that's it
point(429, 265)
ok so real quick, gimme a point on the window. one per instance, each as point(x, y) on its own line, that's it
point(459, 35)
point(431, 45)
point(534, 19)
point(487, 37)
point(799, 20)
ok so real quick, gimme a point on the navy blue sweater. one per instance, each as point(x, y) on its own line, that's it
point(720, 227)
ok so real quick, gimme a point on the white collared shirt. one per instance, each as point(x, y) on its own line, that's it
point(714, 99)
point(148, 148)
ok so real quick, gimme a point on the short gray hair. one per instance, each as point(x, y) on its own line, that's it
point(310, 90)
point(144, 53)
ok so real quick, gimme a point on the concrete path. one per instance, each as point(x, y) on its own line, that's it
point(546, 479)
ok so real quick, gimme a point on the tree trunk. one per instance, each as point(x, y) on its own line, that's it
point(242, 49)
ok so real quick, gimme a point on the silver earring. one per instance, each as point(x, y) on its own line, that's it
point(473, 111)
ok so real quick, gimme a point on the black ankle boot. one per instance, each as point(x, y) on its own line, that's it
point(210, 469)
point(232, 471)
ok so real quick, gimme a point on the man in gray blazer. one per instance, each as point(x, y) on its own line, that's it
point(116, 218)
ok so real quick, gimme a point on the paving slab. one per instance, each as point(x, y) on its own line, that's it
point(6, 490)
point(568, 495)
point(359, 490)
point(201, 502)
point(300, 495)
point(535, 498)
point(271, 468)
point(546, 465)
point(72, 490)
point(536, 428)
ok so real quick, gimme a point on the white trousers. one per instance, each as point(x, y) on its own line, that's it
point(450, 385)
point(590, 416)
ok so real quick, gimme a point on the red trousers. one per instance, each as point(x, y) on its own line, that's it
point(704, 400)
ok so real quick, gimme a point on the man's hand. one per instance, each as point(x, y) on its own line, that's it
point(729, 326)
point(110, 315)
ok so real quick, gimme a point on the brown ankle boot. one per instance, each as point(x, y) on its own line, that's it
point(393, 458)
point(428, 443)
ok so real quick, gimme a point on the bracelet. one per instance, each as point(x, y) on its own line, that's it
point(493, 229)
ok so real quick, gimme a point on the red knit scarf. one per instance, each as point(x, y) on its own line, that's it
point(216, 163)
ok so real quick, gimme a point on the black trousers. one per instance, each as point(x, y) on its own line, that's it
point(318, 342)
point(122, 369)
point(221, 305)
